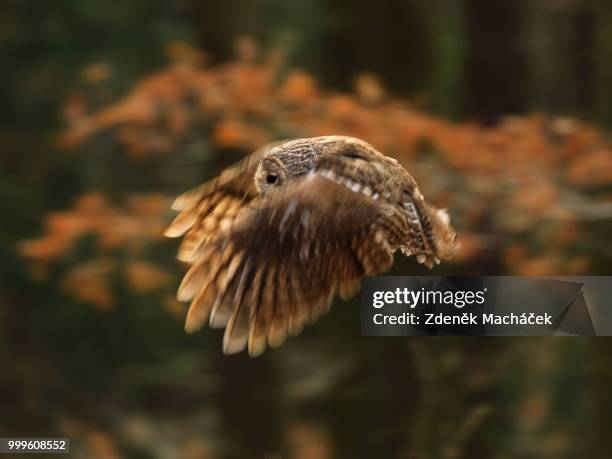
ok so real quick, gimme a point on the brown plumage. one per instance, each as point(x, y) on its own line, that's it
point(274, 238)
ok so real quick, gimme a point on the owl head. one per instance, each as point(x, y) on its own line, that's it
point(282, 165)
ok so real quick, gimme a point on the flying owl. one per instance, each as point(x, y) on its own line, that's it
point(272, 239)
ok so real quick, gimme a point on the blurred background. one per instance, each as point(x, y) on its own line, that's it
point(502, 111)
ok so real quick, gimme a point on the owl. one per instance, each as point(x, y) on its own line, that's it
point(274, 238)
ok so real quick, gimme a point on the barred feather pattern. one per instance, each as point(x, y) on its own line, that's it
point(268, 260)
point(280, 266)
point(212, 207)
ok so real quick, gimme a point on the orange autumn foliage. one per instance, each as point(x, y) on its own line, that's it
point(146, 277)
point(516, 191)
point(140, 221)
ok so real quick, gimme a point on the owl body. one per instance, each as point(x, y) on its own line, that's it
point(274, 238)
point(356, 165)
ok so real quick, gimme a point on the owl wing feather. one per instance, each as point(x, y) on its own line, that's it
point(279, 265)
point(213, 206)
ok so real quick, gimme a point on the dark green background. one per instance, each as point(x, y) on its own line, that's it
point(133, 374)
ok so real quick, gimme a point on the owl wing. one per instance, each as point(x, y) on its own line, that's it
point(278, 267)
point(213, 206)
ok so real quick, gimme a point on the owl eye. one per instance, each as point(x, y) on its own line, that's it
point(271, 178)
